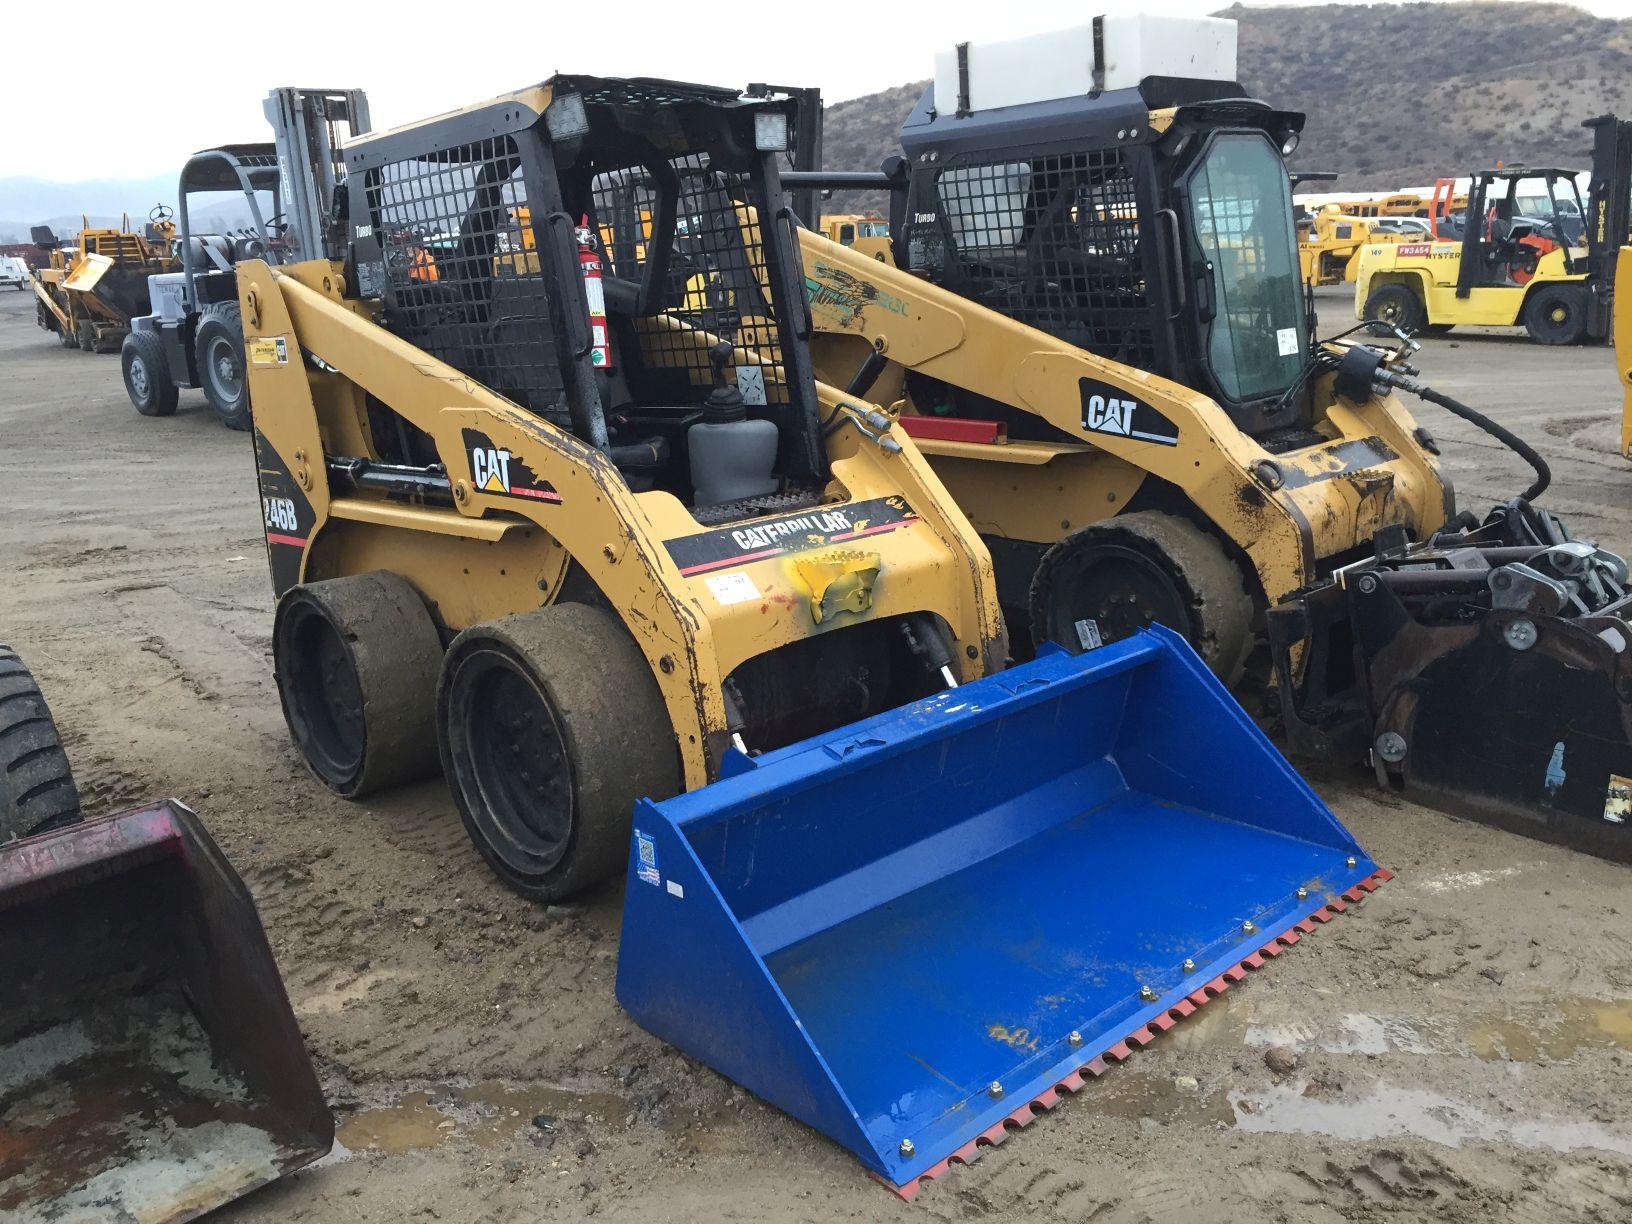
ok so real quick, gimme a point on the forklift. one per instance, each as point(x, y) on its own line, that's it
point(193, 335)
point(1526, 251)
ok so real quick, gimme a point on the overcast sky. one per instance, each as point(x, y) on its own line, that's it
point(199, 71)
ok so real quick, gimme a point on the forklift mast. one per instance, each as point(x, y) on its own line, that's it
point(1609, 203)
point(308, 127)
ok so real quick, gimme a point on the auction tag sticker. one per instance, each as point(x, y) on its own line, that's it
point(646, 853)
point(273, 351)
point(1286, 341)
point(733, 588)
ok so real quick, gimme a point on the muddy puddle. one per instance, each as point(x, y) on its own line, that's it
point(1389, 1111)
point(490, 1113)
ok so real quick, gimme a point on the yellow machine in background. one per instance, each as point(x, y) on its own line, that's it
point(1623, 347)
point(846, 228)
point(1524, 253)
point(1329, 242)
point(88, 296)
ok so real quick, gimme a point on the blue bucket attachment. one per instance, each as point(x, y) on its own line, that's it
point(909, 931)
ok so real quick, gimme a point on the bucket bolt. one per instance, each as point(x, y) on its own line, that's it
point(1303, 894)
point(1189, 965)
point(906, 1148)
point(1075, 1038)
point(1351, 861)
point(994, 1090)
point(1147, 994)
point(1248, 927)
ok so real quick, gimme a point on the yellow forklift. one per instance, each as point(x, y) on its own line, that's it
point(1526, 251)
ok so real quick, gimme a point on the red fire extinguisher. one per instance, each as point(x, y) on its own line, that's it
point(589, 263)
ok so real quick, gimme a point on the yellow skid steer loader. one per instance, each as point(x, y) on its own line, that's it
point(1098, 335)
point(554, 500)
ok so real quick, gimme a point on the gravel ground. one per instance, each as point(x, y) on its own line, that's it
point(1457, 1048)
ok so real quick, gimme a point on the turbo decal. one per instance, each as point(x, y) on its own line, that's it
point(494, 469)
point(1109, 410)
point(727, 546)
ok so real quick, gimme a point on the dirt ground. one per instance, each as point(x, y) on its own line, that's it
point(1463, 1040)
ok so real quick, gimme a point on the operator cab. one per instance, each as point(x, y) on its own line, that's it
point(1514, 216)
point(630, 279)
point(1151, 224)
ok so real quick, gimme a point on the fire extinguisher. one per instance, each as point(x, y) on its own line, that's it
point(589, 263)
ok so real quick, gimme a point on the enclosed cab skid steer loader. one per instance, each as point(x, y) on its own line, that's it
point(1090, 320)
point(553, 499)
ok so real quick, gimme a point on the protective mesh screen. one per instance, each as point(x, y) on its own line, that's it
point(463, 276)
point(1054, 242)
point(716, 286)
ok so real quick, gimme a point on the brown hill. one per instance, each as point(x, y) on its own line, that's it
point(1395, 94)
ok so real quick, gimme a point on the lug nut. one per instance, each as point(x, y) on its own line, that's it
point(994, 1090)
point(906, 1148)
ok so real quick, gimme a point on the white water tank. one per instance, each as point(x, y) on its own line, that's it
point(1041, 67)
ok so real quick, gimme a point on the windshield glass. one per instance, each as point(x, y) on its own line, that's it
point(1241, 210)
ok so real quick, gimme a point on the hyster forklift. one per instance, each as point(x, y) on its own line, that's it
point(1093, 325)
point(193, 336)
point(554, 500)
point(1526, 251)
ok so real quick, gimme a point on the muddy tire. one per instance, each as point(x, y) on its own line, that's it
point(1556, 315)
point(87, 337)
point(551, 727)
point(219, 347)
point(146, 373)
point(37, 791)
point(1398, 306)
point(356, 661)
point(68, 337)
point(1139, 568)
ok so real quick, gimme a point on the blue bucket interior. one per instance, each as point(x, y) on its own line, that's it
point(943, 895)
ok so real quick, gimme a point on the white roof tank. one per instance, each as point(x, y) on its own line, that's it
point(1041, 67)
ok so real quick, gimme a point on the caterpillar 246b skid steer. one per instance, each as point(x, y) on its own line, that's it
point(1090, 319)
point(552, 496)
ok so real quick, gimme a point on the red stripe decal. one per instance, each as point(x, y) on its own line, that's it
point(728, 561)
point(537, 494)
point(273, 537)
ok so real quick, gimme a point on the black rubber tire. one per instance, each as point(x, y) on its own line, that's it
point(146, 372)
point(37, 791)
point(1439, 329)
point(551, 726)
point(87, 337)
point(1399, 305)
point(356, 661)
point(1556, 315)
point(218, 345)
point(1140, 567)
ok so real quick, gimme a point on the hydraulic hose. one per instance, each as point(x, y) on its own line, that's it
point(1509, 439)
